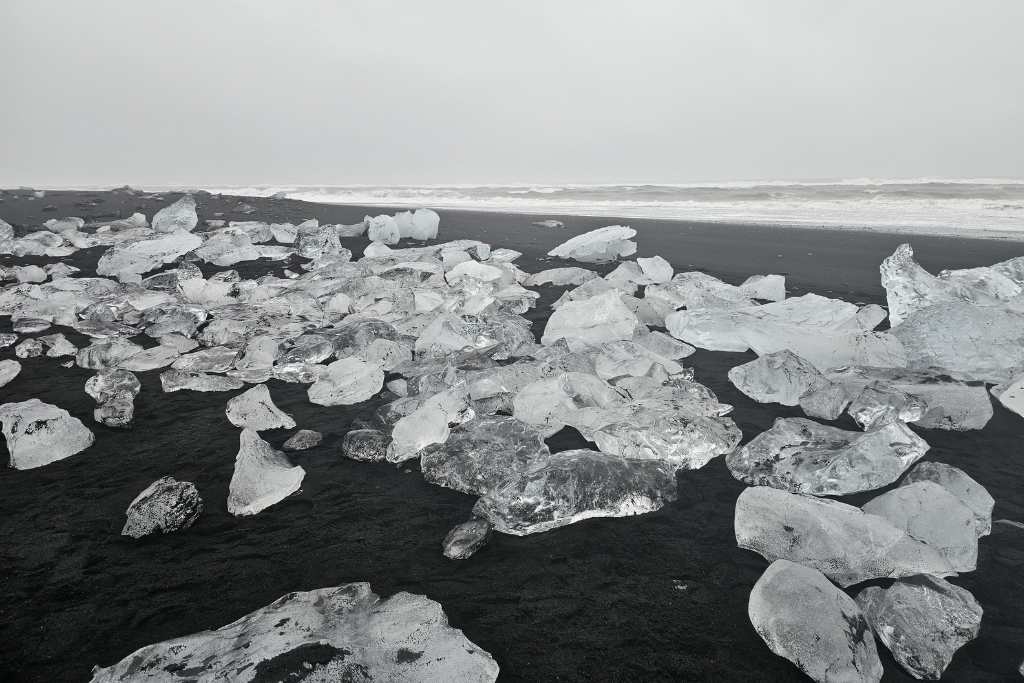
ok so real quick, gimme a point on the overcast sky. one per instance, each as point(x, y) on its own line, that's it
point(448, 91)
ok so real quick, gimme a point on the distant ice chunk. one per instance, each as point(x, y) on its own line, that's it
point(575, 485)
point(177, 380)
point(263, 476)
point(931, 514)
point(343, 633)
point(801, 616)
point(561, 277)
point(841, 541)
point(424, 225)
point(923, 620)
point(598, 246)
point(255, 410)
point(347, 381)
point(548, 223)
point(382, 229)
point(466, 538)
point(164, 506)
point(181, 215)
point(39, 433)
point(765, 287)
point(803, 456)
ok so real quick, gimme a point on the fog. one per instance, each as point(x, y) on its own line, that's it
point(259, 92)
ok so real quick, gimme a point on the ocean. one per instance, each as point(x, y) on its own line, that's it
point(969, 207)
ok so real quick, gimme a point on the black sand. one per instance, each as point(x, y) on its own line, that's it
point(656, 597)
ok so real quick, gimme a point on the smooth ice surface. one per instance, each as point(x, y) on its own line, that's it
point(575, 485)
point(595, 320)
point(956, 481)
point(263, 476)
point(39, 433)
point(254, 409)
point(164, 506)
point(181, 215)
point(347, 381)
point(923, 620)
point(598, 246)
point(349, 633)
point(932, 515)
point(780, 377)
point(802, 456)
point(801, 616)
point(841, 541)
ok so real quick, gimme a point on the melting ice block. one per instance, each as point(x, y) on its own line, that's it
point(956, 481)
point(347, 381)
point(592, 321)
point(128, 261)
point(254, 409)
point(176, 380)
point(803, 456)
point(780, 377)
point(841, 541)
point(164, 506)
point(575, 485)
point(923, 620)
point(801, 616)
point(263, 476)
point(598, 246)
point(343, 633)
point(181, 215)
point(560, 277)
point(114, 392)
point(39, 433)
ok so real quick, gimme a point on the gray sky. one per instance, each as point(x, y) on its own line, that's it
point(451, 91)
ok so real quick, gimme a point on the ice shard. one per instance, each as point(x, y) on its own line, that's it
point(262, 477)
point(255, 410)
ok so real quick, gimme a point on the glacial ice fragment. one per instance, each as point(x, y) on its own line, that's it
point(575, 485)
point(365, 445)
point(114, 392)
point(181, 215)
point(302, 440)
point(263, 476)
point(176, 380)
point(598, 246)
point(923, 620)
point(801, 616)
point(164, 506)
point(347, 381)
point(39, 433)
point(9, 369)
point(342, 633)
point(802, 456)
point(466, 538)
point(841, 541)
point(956, 481)
point(128, 261)
point(780, 377)
point(932, 515)
point(591, 321)
point(560, 277)
point(255, 410)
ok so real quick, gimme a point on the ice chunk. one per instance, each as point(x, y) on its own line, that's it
point(656, 270)
point(765, 287)
point(802, 456)
point(932, 515)
point(561, 277)
point(572, 398)
point(347, 381)
point(114, 392)
point(780, 377)
point(956, 481)
point(946, 402)
point(1011, 393)
point(176, 380)
point(366, 445)
point(947, 337)
point(698, 290)
point(39, 433)
point(597, 246)
point(826, 403)
point(482, 453)
point(58, 346)
point(319, 241)
point(29, 348)
point(430, 423)
point(683, 443)
point(128, 261)
point(810, 622)
point(466, 538)
point(592, 321)
point(841, 541)
point(664, 345)
point(255, 410)
point(344, 633)
point(9, 369)
point(212, 359)
point(548, 223)
point(923, 620)
point(302, 440)
point(181, 215)
point(151, 359)
point(263, 476)
point(383, 229)
point(575, 485)
point(424, 225)
point(164, 506)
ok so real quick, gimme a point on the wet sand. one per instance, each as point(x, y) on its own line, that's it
point(655, 597)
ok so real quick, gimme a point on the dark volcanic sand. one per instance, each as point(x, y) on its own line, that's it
point(661, 596)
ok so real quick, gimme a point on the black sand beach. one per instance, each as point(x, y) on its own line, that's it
point(656, 597)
